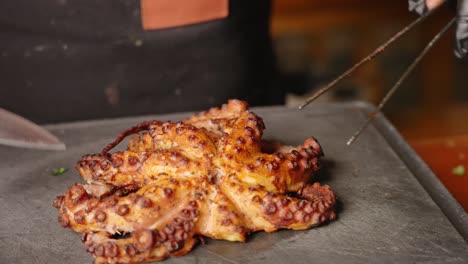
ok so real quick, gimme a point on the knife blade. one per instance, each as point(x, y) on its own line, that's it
point(17, 131)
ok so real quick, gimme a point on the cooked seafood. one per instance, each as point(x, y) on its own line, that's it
point(206, 176)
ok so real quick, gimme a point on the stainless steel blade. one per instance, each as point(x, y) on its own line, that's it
point(17, 131)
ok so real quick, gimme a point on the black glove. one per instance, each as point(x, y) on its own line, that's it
point(462, 29)
point(418, 6)
point(461, 35)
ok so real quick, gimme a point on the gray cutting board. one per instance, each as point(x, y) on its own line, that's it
point(384, 216)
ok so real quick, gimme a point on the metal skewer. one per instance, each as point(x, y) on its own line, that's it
point(376, 52)
point(400, 81)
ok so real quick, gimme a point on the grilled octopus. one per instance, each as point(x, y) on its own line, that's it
point(206, 176)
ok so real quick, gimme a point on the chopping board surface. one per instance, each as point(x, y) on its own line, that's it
point(384, 214)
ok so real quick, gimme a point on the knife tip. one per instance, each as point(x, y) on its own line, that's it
point(59, 146)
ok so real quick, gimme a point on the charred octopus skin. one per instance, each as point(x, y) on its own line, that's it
point(205, 176)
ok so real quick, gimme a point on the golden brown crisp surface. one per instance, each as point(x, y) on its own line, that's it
point(203, 177)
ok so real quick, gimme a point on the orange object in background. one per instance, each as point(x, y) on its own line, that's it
point(448, 159)
point(159, 14)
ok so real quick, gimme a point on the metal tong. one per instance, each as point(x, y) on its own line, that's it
point(374, 54)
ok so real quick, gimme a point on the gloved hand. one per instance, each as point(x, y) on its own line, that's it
point(461, 35)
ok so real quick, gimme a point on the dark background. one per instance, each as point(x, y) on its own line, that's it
point(74, 60)
point(63, 60)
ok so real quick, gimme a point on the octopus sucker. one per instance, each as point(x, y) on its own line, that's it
point(210, 175)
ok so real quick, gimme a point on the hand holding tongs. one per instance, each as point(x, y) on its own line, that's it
point(425, 8)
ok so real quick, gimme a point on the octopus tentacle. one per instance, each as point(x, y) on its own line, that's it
point(287, 171)
point(151, 206)
point(166, 136)
point(219, 218)
point(242, 138)
point(270, 211)
point(186, 139)
point(135, 129)
point(233, 121)
point(175, 238)
point(130, 168)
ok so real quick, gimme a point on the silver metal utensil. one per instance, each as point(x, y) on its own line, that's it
point(17, 131)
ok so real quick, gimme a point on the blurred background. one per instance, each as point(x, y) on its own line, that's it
point(315, 41)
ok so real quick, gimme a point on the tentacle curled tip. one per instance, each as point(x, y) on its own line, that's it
point(143, 244)
point(308, 151)
point(314, 205)
point(135, 129)
point(323, 196)
point(317, 192)
point(306, 157)
point(313, 144)
point(92, 167)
